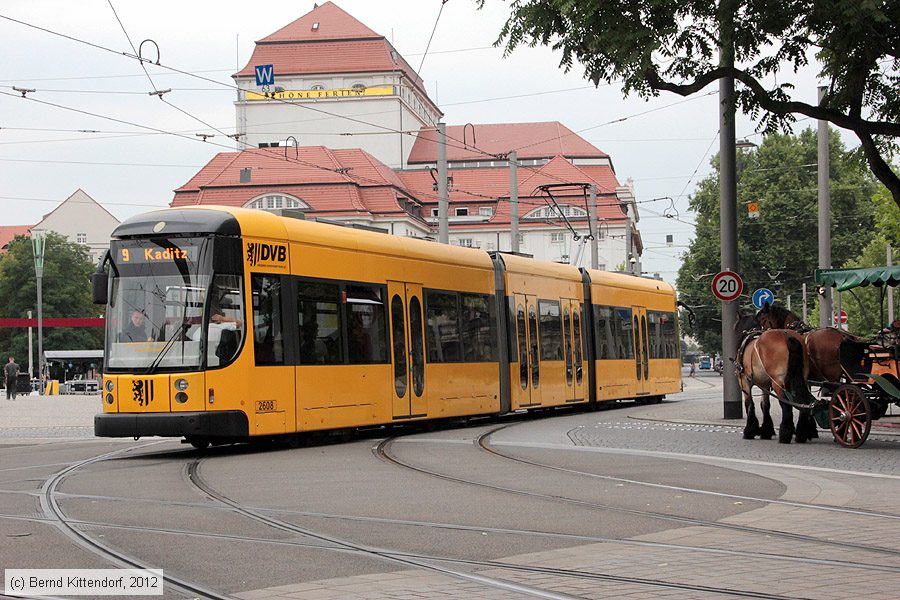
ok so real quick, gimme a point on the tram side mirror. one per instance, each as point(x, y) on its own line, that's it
point(99, 287)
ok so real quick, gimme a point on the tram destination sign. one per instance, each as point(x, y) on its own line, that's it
point(156, 254)
point(727, 286)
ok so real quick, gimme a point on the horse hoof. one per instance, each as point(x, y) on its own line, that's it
point(801, 440)
point(749, 435)
point(767, 436)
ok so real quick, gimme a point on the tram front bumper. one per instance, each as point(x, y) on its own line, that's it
point(218, 424)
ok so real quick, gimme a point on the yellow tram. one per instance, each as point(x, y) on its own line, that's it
point(225, 324)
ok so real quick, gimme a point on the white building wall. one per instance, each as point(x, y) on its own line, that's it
point(370, 121)
point(539, 242)
point(81, 220)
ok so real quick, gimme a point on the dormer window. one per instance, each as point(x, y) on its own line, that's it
point(275, 202)
point(315, 26)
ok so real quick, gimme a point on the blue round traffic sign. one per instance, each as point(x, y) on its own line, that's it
point(763, 296)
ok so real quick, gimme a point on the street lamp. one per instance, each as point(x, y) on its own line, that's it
point(38, 244)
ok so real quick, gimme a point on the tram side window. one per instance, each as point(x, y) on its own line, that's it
point(478, 327)
point(663, 334)
point(613, 333)
point(442, 326)
point(268, 320)
point(551, 330)
point(320, 323)
point(366, 324)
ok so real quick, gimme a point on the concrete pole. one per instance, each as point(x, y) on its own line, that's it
point(890, 290)
point(825, 305)
point(789, 302)
point(443, 194)
point(594, 229)
point(513, 202)
point(30, 351)
point(731, 393)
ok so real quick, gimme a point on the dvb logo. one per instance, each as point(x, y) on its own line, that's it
point(257, 253)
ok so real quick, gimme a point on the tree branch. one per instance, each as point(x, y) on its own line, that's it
point(857, 125)
point(880, 168)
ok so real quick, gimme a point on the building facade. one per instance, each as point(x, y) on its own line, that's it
point(78, 218)
point(346, 132)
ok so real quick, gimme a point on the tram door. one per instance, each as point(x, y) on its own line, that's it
point(407, 350)
point(574, 349)
point(526, 382)
point(641, 349)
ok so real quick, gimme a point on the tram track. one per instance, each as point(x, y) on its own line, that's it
point(427, 562)
point(380, 450)
point(55, 516)
point(481, 441)
point(846, 564)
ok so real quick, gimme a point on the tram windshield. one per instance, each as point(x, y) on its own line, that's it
point(171, 314)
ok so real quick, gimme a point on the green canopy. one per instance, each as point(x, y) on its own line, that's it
point(847, 279)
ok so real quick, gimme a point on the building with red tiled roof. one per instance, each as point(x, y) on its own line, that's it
point(334, 78)
point(346, 185)
point(8, 232)
point(471, 144)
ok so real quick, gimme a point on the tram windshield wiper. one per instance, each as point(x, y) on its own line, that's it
point(178, 333)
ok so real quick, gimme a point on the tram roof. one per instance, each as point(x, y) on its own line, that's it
point(531, 266)
point(257, 223)
point(622, 280)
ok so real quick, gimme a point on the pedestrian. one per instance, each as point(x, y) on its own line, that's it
point(11, 370)
point(693, 368)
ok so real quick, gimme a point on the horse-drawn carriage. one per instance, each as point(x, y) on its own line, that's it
point(870, 380)
point(857, 379)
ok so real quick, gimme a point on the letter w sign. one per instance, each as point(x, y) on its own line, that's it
point(265, 74)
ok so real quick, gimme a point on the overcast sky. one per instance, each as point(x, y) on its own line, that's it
point(43, 158)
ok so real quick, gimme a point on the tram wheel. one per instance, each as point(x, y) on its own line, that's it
point(198, 442)
point(850, 416)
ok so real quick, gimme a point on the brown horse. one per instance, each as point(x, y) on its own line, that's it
point(824, 346)
point(773, 360)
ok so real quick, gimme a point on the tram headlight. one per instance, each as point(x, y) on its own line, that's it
point(109, 399)
point(181, 397)
point(181, 384)
point(109, 385)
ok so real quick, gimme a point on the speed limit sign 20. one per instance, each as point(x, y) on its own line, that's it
point(727, 286)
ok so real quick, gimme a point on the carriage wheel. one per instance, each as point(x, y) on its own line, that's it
point(850, 416)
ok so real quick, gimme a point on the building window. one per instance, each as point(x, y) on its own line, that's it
point(521, 239)
point(276, 201)
point(358, 86)
point(466, 242)
point(486, 211)
point(557, 237)
point(81, 238)
point(434, 212)
point(551, 212)
point(317, 86)
point(462, 212)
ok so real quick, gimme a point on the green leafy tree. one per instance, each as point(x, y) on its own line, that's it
point(65, 289)
point(864, 304)
point(649, 46)
point(778, 249)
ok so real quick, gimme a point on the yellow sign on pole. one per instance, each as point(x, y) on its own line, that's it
point(316, 94)
point(753, 209)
